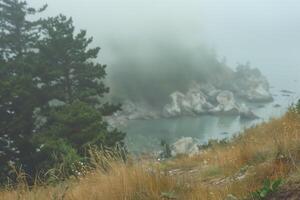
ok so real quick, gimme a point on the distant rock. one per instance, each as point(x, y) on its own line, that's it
point(191, 103)
point(277, 106)
point(224, 133)
point(205, 100)
point(228, 96)
point(258, 94)
point(226, 104)
point(210, 91)
point(286, 95)
point(195, 101)
point(287, 92)
point(250, 84)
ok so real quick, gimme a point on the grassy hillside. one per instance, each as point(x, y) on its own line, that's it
point(266, 153)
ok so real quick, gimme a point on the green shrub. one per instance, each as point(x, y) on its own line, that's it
point(68, 134)
point(268, 188)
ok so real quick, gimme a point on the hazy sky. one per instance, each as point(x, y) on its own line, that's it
point(264, 32)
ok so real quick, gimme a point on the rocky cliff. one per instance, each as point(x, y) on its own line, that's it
point(231, 98)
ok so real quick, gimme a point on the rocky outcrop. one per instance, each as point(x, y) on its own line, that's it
point(193, 102)
point(185, 145)
point(130, 111)
point(246, 84)
point(174, 108)
point(226, 104)
point(205, 100)
point(251, 85)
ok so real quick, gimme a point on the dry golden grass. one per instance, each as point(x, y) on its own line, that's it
point(268, 151)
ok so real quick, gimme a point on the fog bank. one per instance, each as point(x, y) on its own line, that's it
point(264, 32)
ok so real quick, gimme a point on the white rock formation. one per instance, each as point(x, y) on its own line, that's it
point(185, 145)
point(173, 109)
point(226, 104)
point(193, 102)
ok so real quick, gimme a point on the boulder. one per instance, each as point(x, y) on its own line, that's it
point(185, 145)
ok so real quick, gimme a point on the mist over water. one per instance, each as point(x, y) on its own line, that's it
point(144, 38)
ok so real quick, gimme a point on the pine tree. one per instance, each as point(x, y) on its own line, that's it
point(18, 37)
point(51, 92)
point(67, 63)
point(71, 85)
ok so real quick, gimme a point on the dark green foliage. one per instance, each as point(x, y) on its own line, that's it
point(268, 188)
point(68, 72)
point(42, 62)
point(166, 152)
point(295, 108)
point(69, 75)
point(80, 125)
point(18, 37)
point(54, 158)
point(298, 106)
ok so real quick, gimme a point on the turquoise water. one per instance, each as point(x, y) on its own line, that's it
point(145, 135)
